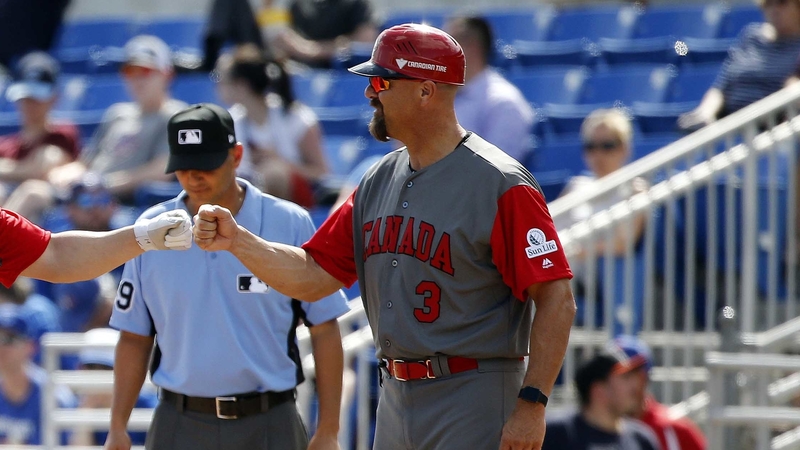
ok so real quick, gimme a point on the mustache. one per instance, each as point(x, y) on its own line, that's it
point(375, 103)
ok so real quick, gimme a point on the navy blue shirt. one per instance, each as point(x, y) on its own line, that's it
point(572, 432)
point(755, 67)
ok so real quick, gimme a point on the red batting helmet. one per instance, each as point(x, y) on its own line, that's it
point(415, 51)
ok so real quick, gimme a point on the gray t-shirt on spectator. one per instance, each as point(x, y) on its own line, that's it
point(128, 139)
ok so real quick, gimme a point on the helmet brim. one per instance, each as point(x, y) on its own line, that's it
point(370, 69)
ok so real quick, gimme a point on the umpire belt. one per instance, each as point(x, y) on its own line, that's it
point(230, 407)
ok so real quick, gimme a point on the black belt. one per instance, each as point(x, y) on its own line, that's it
point(231, 407)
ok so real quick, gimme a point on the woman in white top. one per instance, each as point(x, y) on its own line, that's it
point(281, 137)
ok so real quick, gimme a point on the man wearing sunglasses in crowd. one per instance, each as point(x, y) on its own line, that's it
point(451, 242)
point(128, 149)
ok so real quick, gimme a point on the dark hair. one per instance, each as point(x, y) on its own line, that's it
point(479, 28)
point(261, 73)
point(597, 369)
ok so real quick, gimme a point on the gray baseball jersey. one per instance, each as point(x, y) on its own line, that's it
point(444, 255)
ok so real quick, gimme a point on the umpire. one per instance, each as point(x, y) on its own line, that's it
point(226, 358)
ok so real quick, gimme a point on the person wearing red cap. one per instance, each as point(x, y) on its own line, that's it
point(672, 433)
point(452, 244)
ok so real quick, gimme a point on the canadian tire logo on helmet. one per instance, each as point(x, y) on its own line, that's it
point(401, 63)
point(539, 245)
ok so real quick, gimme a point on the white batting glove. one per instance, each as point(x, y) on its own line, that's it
point(168, 230)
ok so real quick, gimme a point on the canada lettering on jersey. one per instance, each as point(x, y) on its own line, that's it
point(398, 238)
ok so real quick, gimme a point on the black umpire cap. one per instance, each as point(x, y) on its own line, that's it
point(200, 137)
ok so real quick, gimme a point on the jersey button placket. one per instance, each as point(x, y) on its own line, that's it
point(394, 263)
point(405, 205)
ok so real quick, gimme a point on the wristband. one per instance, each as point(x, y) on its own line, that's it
point(532, 395)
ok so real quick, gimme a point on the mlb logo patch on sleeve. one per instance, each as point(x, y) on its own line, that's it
point(539, 245)
point(250, 284)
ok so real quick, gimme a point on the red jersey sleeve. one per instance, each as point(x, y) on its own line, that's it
point(332, 245)
point(525, 245)
point(21, 243)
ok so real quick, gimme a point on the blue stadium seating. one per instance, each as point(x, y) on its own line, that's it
point(562, 155)
point(520, 24)
point(197, 88)
point(626, 84)
point(592, 23)
point(433, 17)
point(535, 54)
point(737, 19)
point(552, 182)
point(550, 85)
point(679, 22)
point(312, 87)
point(87, 45)
point(185, 34)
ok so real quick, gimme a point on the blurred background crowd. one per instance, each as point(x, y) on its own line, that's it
point(574, 92)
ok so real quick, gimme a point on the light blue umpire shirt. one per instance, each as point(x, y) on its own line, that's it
point(220, 330)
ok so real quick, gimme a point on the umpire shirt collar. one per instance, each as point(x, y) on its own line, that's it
point(249, 215)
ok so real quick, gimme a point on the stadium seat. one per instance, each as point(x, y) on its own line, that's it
point(691, 84)
point(679, 22)
point(86, 45)
point(432, 17)
point(536, 54)
point(657, 50)
point(343, 152)
point(706, 51)
point(312, 87)
point(550, 85)
point(552, 182)
point(737, 19)
point(562, 155)
point(195, 88)
point(347, 90)
point(523, 24)
point(626, 84)
point(181, 34)
point(644, 145)
point(592, 23)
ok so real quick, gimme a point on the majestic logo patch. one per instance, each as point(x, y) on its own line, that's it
point(546, 263)
point(400, 62)
point(539, 245)
point(249, 284)
point(186, 137)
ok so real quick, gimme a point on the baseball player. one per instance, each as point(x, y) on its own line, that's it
point(449, 238)
point(226, 357)
point(28, 250)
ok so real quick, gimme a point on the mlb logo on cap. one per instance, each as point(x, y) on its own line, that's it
point(190, 137)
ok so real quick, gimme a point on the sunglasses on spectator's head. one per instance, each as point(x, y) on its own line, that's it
point(131, 71)
point(8, 339)
point(87, 200)
point(606, 146)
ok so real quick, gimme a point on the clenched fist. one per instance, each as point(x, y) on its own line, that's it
point(214, 228)
point(171, 230)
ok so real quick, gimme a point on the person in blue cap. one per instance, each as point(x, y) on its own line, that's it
point(673, 434)
point(21, 382)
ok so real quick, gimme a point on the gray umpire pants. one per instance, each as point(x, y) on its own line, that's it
point(463, 411)
point(280, 428)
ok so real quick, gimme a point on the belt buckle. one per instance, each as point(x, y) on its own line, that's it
point(218, 402)
point(429, 368)
point(394, 363)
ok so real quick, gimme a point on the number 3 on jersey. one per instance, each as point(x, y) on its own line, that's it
point(124, 295)
point(433, 295)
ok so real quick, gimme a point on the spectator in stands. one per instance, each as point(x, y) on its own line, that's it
point(41, 145)
point(757, 65)
point(281, 136)
point(21, 382)
point(129, 149)
point(605, 395)
point(317, 30)
point(672, 434)
point(607, 138)
point(488, 104)
point(28, 25)
point(38, 312)
point(231, 21)
point(103, 359)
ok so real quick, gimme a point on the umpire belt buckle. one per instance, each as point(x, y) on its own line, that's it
point(219, 401)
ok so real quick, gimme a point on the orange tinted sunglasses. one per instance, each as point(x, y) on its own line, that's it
point(130, 71)
point(379, 84)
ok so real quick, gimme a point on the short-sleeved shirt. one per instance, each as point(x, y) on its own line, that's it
point(755, 67)
point(20, 423)
point(63, 136)
point(21, 244)
point(219, 329)
point(572, 432)
point(496, 110)
point(128, 138)
point(324, 20)
point(444, 255)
